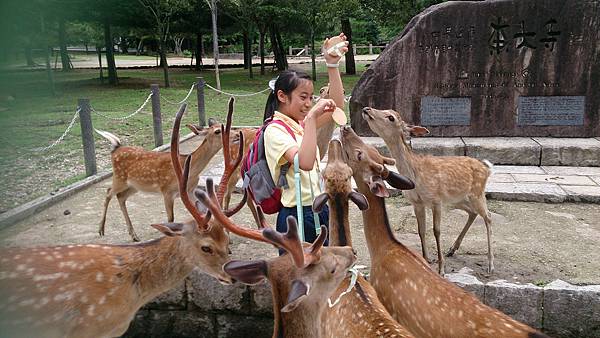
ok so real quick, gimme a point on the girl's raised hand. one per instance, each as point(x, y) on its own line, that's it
point(321, 108)
point(333, 59)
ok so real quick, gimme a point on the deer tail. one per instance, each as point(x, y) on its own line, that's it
point(489, 164)
point(113, 139)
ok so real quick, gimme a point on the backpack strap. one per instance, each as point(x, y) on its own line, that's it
point(282, 181)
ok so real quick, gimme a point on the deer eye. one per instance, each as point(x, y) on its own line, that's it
point(391, 118)
point(359, 155)
point(207, 249)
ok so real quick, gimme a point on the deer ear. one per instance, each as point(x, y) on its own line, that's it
point(298, 292)
point(359, 199)
point(170, 229)
point(377, 187)
point(320, 202)
point(399, 181)
point(247, 272)
point(417, 130)
point(388, 161)
point(212, 122)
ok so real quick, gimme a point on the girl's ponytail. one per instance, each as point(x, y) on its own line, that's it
point(271, 106)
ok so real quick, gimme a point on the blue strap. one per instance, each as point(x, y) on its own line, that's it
point(299, 209)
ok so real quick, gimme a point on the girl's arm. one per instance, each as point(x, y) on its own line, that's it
point(307, 152)
point(336, 88)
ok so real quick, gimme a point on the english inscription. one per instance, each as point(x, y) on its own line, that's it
point(550, 110)
point(445, 111)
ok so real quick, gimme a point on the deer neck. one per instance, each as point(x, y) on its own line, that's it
point(158, 266)
point(405, 159)
point(339, 225)
point(378, 232)
point(201, 157)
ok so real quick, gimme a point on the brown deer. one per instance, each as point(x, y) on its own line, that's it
point(249, 134)
point(136, 169)
point(458, 181)
point(325, 132)
point(95, 290)
point(360, 310)
point(418, 298)
point(301, 280)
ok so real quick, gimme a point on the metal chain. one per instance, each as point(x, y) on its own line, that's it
point(182, 101)
point(240, 95)
point(125, 117)
point(75, 116)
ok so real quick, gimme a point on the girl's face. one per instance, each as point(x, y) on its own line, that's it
point(298, 103)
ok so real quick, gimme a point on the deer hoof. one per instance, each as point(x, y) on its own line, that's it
point(135, 238)
point(450, 253)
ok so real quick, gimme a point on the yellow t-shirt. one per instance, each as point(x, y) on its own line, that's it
point(277, 141)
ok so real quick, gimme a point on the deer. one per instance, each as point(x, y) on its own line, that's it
point(457, 181)
point(368, 317)
point(301, 279)
point(94, 290)
point(136, 169)
point(417, 297)
point(325, 132)
point(249, 134)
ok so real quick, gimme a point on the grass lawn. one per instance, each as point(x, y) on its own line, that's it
point(31, 117)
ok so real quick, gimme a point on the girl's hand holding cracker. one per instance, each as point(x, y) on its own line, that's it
point(334, 48)
point(323, 108)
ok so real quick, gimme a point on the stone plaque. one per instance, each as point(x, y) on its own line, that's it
point(551, 110)
point(445, 111)
point(527, 67)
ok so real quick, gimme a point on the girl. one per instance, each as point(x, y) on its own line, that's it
point(291, 102)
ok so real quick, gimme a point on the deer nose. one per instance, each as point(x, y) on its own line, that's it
point(366, 109)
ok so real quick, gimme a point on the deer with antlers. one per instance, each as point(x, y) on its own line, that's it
point(458, 181)
point(417, 297)
point(368, 317)
point(299, 279)
point(95, 290)
point(136, 169)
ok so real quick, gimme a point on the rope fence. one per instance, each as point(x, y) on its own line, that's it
point(184, 99)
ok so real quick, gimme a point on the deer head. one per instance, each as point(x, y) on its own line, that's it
point(385, 123)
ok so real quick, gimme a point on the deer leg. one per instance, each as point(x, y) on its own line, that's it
point(252, 207)
point(421, 223)
point(109, 196)
point(169, 200)
point(460, 237)
point(122, 198)
point(437, 216)
point(481, 208)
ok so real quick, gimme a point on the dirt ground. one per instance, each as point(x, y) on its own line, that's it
point(532, 242)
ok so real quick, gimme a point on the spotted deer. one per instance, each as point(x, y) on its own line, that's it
point(136, 169)
point(418, 298)
point(360, 310)
point(457, 181)
point(301, 279)
point(95, 290)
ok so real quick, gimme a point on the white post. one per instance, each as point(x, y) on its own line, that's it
point(370, 48)
point(213, 10)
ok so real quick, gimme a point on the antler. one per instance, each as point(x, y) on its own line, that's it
point(209, 199)
point(230, 164)
point(182, 178)
point(290, 242)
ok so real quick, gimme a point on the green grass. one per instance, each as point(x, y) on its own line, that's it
point(31, 117)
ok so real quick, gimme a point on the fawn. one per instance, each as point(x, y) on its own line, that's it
point(458, 181)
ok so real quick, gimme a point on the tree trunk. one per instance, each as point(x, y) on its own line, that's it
point(124, 46)
point(62, 40)
point(199, 51)
point(245, 44)
point(249, 49)
point(312, 48)
point(350, 64)
point(163, 61)
point(110, 55)
point(47, 56)
point(261, 48)
point(213, 11)
point(87, 50)
point(99, 50)
point(29, 54)
point(278, 52)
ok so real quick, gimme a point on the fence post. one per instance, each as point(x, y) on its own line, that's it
point(370, 48)
point(200, 94)
point(305, 50)
point(290, 51)
point(87, 137)
point(156, 115)
point(354, 49)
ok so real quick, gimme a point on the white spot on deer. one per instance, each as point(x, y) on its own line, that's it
point(63, 296)
point(49, 258)
point(27, 302)
point(21, 267)
point(102, 300)
point(58, 256)
point(17, 257)
point(53, 276)
point(99, 277)
point(90, 310)
point(92, 246)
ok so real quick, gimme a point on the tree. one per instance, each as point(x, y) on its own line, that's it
point(212, 4)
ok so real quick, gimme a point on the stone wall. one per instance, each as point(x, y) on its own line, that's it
point(202, 307)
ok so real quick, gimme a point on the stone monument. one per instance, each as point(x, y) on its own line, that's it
point(492, 68)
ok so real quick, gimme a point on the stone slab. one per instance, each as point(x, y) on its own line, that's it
point(468, 283)
point(558, 179)
point(174, 299)
point(596, 179)
point(517, 169)
point(501, 178)
point(233, 326)
point(576, 193)
point(262, 299)
point(438, 146)
point(532, 192)
point(563, 170)
point(578, 152)
point(521, 302)
point(567, 307)
point(504, 150)
point(171, 324)
point(207, 294)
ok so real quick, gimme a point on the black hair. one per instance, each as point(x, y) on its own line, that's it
point(287, 81)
